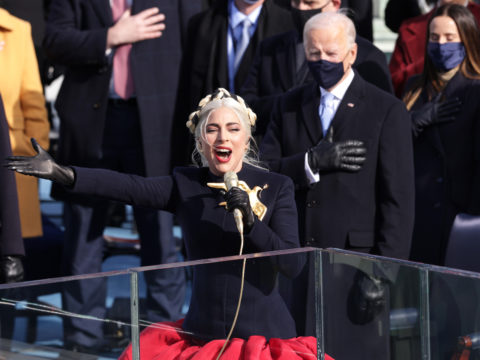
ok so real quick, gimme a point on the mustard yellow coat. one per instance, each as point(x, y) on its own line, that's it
point(25, 110)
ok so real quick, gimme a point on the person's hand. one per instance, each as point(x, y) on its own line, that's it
point(366, 298)
point(42, 166)
point(236, 198)
point(434, 112)
point(346, 155)
point(147, 24)
point(11, 269)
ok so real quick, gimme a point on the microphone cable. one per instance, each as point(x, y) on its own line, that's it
point(240, 296)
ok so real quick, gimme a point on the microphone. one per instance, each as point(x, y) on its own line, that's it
point(231, 180)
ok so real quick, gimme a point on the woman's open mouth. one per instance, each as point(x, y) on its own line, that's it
point(223, 154)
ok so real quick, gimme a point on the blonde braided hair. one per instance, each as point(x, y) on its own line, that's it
point(220, 93)
point(222, 98)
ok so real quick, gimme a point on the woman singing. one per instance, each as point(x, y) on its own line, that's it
point(445, 108)
point(222, 128)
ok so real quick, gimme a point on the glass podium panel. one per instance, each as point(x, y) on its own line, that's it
point(43, 320)
point(372, 307)
point(454, 314)
point(255, 301)
point(305, 302)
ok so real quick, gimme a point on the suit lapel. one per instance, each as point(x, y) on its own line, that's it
point(221, 54)
point(213, 50)
point(103, 10)
point(310, 117)
point(349, 105)
point(257, 36)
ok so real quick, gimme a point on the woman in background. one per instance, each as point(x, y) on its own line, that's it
point(26, 114)
point(445, 108)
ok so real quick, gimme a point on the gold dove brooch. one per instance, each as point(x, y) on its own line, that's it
point(258, 207)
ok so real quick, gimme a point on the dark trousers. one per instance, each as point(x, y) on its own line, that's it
point(84, 244)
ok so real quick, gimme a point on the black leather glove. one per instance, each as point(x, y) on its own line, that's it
point(346, 155)
point(236, 198)
point(366, 298)
point(11, 269)
point(434, 112)
point(42, 166)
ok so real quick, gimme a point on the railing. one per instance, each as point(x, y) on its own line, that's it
point(353, 306)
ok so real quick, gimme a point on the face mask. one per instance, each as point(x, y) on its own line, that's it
point(300, 17)
point(446, 56)
point(326, 73)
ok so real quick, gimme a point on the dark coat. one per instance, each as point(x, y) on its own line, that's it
point(363, 16)
point(447, 172)
point(76, 36)
point(369, 211)
point(205, 66)
point(409, 52)
point(11, 242)
point(274, 72)
point(209, 231)
point(397, 11)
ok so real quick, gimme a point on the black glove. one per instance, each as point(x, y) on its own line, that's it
point(11, 269)
point(327, 155)
point(42, 166)
point(236, 198)
point(366, 298)
point(434, 112)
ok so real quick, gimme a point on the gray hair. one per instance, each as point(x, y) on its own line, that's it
point(329, 19)
point(198, 120)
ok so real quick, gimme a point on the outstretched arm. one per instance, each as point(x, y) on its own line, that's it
point(42, 166)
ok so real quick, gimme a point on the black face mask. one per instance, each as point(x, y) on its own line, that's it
point(326, 73)
point(300, 17)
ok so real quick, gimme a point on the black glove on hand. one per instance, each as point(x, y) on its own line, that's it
point(236, 198)
point(42, 166)
point(366, 298)
point(11, 269)
point(434, 112)
point(330, 156)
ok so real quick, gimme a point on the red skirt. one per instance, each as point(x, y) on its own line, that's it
point(166, 341)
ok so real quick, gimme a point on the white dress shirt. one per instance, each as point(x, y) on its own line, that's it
point(337, 93)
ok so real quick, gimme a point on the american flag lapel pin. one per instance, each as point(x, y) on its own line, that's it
point(351, 105)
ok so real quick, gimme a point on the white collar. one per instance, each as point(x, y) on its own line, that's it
point(236, 16)
point(341, 88)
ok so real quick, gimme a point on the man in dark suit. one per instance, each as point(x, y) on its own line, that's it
point(351, 161)
point(280, 63)
point(11, 241)
point(211, 46)
point(116, 109)
point(408, 54)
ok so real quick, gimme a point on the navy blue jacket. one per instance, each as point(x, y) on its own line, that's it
point(209, 231)
point(447, 171)
point(370, 210)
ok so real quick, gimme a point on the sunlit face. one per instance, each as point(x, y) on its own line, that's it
point(443, 29)
point(331, 45)
point(225, 142)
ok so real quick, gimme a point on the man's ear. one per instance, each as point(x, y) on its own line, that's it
point(337, 4)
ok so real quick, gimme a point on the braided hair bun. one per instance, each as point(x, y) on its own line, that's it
point(220, 93)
